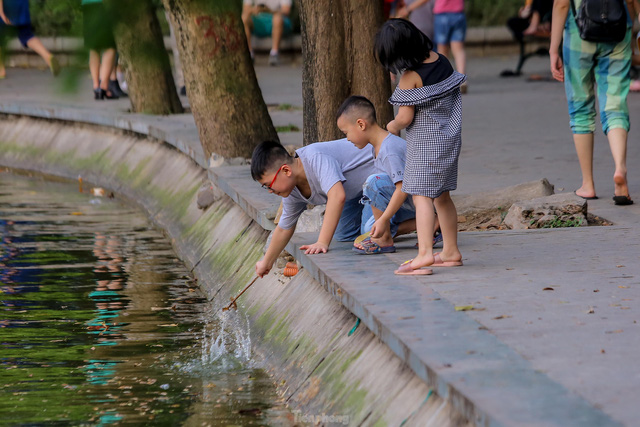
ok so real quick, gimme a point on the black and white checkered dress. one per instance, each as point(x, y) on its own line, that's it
point(434, 137)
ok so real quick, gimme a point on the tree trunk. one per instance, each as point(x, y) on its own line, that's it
point(225, 98)
point(152, 89)
point(337, 50)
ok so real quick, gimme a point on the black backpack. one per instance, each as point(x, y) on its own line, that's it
point(601, 20)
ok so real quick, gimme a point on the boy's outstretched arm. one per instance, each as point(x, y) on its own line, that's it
point(335, 202)
point(383, 223)
point(279, 240)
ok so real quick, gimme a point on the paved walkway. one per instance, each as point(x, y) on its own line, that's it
point(525, 355)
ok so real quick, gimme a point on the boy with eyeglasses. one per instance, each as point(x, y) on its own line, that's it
point(330, 173)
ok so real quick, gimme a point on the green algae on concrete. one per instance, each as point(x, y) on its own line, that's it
point(233, 243)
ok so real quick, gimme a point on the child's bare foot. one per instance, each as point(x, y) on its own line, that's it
point(422, 261)
point(447, 260)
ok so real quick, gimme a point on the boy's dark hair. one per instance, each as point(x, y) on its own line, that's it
point(399, 45)
point(266, 156)
point(359, 104)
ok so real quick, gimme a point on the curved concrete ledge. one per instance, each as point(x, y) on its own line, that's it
point(300, 332)
point(300, 328)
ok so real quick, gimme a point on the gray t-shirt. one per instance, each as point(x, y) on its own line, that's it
point(325, 164)
point(391, 157)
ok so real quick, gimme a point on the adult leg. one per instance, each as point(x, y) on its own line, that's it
point(106, 67)
point(36, 45)
point(94, 68)
point(579, 87)
point(584, 148)
point(448, 217)
point(277, 22)
point(3, 71)
point(247, 20)
point(425, 217)
point(459, 56)
point(612, 78)
point(618, 143)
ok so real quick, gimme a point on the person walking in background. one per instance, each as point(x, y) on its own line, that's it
point(430, 108)
point(267, 18)
point(98, 37)
point(583, 66)
point(14, 14)
point(420, 14)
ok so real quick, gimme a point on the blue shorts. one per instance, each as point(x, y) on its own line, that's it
point(23, 32)
point(449, 27)
point(377, 192)
point(263, 25)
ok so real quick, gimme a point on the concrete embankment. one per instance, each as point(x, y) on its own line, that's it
point(300, 332)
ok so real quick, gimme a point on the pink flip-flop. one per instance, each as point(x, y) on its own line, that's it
point(438, 262)
point(406, 270)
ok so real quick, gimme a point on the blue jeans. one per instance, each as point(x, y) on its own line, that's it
point(354, 214)
point(449, 27)
point(377, 192)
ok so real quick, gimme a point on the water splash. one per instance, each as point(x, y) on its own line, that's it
point(227, 333)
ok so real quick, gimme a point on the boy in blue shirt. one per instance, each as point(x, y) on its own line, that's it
point(393, 213)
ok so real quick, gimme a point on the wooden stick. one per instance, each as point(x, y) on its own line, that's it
point(233, 300)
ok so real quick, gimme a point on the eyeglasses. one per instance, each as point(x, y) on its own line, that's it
point(268, 187)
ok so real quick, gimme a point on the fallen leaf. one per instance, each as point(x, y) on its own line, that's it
point(602, 351)
point(623, 287)
point(464, 307)
point(77, 213)
point(504, 316)
point(591, 310)
point(617, 331)
point(596, 290)
point(548, 289)
point(625, 308)
point(620, 266)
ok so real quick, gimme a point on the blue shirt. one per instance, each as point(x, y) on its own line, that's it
point(17, 11)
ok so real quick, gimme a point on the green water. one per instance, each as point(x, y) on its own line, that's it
point(100, 323)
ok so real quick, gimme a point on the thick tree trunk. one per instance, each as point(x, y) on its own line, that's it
point(225, 98)
point(337, 50)
point(139, 40)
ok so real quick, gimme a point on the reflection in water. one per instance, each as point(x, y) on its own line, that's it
point(100, 323)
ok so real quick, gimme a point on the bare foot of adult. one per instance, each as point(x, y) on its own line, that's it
point(621, 191)
point(620, 181)
point(586, 193)
point(530, 30)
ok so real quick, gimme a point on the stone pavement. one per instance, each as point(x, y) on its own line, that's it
point(554, 333)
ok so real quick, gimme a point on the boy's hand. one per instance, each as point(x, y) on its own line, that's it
point(316, 248)
point(380, 228)
point(5, 19)
point(262, 268)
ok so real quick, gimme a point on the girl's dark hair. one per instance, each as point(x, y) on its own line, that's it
point(268, 155)
point(399, 45)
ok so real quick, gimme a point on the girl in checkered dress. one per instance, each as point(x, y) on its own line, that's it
point(430, 108)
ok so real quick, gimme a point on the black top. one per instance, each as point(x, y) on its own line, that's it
point(434, 72)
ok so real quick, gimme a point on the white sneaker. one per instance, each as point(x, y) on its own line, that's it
point(274, 59)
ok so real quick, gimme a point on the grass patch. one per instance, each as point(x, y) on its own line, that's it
point(287, 128)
